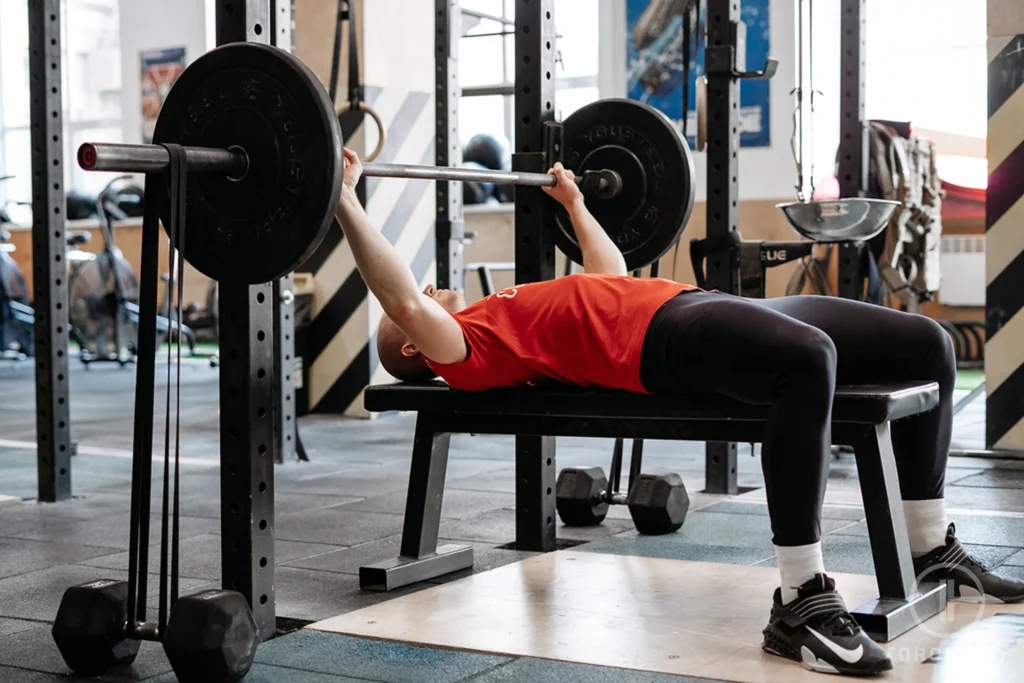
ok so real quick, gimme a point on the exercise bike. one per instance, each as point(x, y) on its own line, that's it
point(103, 294)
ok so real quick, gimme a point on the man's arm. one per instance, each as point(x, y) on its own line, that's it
point(431, 328)
point(600, 255)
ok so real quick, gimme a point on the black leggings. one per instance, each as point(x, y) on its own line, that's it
point(789, 353)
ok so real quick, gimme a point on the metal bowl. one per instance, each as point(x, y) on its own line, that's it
point(839, 220)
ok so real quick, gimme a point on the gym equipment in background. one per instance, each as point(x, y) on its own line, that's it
point(103, 294)
point(489, 151)
point(16, 315)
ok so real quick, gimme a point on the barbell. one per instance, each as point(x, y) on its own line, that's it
point(234, 163)
point(263, 150)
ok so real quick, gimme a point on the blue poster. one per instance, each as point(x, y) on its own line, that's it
point(654, 53)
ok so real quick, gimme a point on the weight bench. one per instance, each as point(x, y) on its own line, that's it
point(860, 418)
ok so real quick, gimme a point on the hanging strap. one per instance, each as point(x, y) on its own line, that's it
point(178, 177)
point(142, 440)
point(346, 13)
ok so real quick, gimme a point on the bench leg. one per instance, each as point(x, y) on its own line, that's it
point(535, 497)
point(720, 461)
point(902, 604)
point(420, 557)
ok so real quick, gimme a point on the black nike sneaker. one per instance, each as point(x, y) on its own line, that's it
point(817, 631)
point(968, 579)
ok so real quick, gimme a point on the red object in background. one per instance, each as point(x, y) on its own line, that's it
point(960, 203)
point(963, 203)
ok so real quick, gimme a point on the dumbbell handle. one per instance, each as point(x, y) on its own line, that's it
point(616, 498)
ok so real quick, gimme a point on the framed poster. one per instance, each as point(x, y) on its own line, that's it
point(654, 63)
point(160, 69)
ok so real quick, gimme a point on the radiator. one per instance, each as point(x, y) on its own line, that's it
point(963, 270)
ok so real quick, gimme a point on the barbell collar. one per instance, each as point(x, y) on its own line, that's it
point(96, 156)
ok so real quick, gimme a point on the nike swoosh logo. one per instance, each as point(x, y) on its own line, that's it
point(849, 656)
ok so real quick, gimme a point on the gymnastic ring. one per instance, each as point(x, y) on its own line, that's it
point(701, 106)
point(382, 136)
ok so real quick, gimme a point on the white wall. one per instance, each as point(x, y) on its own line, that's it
point(398, 44)
point(153, 25)
point(765, 172)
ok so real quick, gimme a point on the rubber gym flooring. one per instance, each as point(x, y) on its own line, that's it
point(611, 606)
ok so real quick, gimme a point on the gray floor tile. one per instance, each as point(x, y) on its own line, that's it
point(955, 475)
point(81, 507)
point(349, 560)
point(457, 503)
point(26, 676)
point(976, 529)
point(112, 532)
point(609, 527)
point(701, 538)
point(316, 595)
point(362, 482)
point(851, 514)
point(200, 556)
point(373, 659)
point(36, 595)
point(547, 671)
point(337, 526)
point(265, 673)
point(284, 504)
point(981, 498)
point(18, 556)
point(496, 526)
point(35, 649)
point(852, 554)
point(1012, 572)
point(660, 548)
point(9, 626)
point(1016, 559)
point(498, 480)
point(996, 478)
point(499, 527)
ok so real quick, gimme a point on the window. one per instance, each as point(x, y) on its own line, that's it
point(487, 69)
point(91, 72)
point(926, 63)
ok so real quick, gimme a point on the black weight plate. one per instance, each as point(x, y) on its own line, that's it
point(268, 103)
point(639, 142)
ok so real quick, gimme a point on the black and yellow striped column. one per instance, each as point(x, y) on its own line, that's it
point(340, 349)
point(1004, 248)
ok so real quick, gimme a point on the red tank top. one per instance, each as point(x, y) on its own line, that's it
point(584, 330)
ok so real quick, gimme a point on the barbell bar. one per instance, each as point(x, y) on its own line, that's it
point(233, 162)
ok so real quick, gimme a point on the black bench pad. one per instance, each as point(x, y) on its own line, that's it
point(860, 404)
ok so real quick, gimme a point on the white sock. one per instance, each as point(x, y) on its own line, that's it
point(797, 565)
point(926, 524)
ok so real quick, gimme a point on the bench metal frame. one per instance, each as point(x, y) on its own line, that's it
point(861, 419)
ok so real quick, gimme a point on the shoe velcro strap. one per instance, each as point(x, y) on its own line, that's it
point(801, 611)
point(955, 555)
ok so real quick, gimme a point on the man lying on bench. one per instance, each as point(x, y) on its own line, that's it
point(605, 329)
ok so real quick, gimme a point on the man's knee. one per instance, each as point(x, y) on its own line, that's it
point(938, 350)
point(812, 357)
